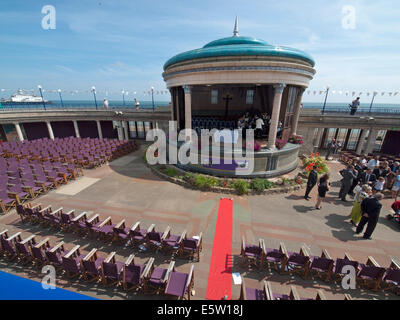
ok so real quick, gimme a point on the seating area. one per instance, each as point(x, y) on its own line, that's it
point(212, 123)
point(93, 226)
point(95, 266)
point(369, 275)
point(31, 168)
point(348, 156)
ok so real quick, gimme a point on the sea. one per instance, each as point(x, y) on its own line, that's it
point(72, 104)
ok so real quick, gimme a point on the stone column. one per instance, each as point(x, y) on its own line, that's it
point(276, 109)
point(369, 148)
point(99, 129)
point(77, 134)
point(19, 131)
point(188, 107)
point(126, 129)
point(297, 110)
point(50, 129)
point(361, 141)
point(121, 131)
point(317, 142)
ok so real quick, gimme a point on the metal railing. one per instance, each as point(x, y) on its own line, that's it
point(362, 110)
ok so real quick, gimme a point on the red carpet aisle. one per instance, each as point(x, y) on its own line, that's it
point(220, 274)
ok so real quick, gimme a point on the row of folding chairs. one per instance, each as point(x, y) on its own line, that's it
point(92, 267)
point(266, 293)
point(86, 225)
point(368, 275)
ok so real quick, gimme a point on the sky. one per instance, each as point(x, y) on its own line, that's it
point(118, 44)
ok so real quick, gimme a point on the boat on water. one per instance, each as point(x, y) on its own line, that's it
point(22, 98)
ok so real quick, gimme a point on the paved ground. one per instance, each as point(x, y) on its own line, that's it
point(126, 189)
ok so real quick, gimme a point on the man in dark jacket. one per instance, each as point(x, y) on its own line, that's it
point(312, 181)
point(368, 177)
point(359, 170)
point(370, 208)
point(348, 175)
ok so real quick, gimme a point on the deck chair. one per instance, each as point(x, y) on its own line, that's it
point(121, 233)
point(298, 263)
point(321, 267)
point(22, 213)
point(111, 271)
point(79, 225)
point(3, 235)
point(347, 297)
point(137, 235)
point(371, 274)
point(23, 247)
point(338, 273)
point(8, 246)
point(92, 226)
point(39, 252)
point(274, 258)
point(320, 295)
point(171, 243)
point(251, 293)
point(32, 210)
point(180, 284)
point(106, 230)
point(157, 278)
point(71, 262)
point(270, 295)
point(191, 247)
point(251, 254)
point(91, 266)
point(66, 222)
point(54, 255)
point(132, 276)
point(153, 238)
point(391, 279)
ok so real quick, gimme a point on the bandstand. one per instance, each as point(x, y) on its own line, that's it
point(212, 87)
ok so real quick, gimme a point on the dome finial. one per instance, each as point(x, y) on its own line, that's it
point(236, 28)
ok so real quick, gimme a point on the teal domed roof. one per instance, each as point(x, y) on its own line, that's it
point(240, 46)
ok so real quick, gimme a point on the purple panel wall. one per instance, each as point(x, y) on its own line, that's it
point(62, 129)
point(88, 129)
point(36, 130)
point(391, 145)
point(108, 130)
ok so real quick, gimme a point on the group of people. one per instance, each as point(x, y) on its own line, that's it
point(364, 179)
point(258, 121)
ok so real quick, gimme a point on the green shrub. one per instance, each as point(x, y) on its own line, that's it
point(204, 183)
point(257, 185)
point(241, 186)
point(170, 171)
point(268, 184)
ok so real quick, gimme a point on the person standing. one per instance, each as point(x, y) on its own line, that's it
point(362, 192)
point(259, 127)
point(323, 187)
point(311, 182)
point(348, 175)
point(368, 177)
point(354, 106)
point(331, 148)
point(105, 105)
point(396, 186)
point(370, 208)
point(373, 163)
point(359, 169)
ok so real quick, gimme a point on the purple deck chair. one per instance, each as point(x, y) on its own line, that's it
point(106, 230)
point(153, 238)
point(371, 274)
point(133, 274)
point(137, 235)
point(8, 246)
point(71, 262)
point(23, 248)
point(298, 263)
point(92, 226)
point(121, 233)
point(391, 280)
point(79, 224)
point(66, 220)
point(157, 279)
point(3, 235)
point(54, 255)
point(111, 270)
point(7, 201)
point(180, 284)
point(251, 254)
point(171, 243)
point(191, 247)
point(322, 267)
point(91, 266)
point(39, 252)
point(251, 293)
point(338, 273)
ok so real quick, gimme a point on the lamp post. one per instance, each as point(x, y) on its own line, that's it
point(123, 97)
point(59, 93)
point(326, 97)
point(41, 94)
point(372, 101)
point(152, 97)
point(94, 95)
